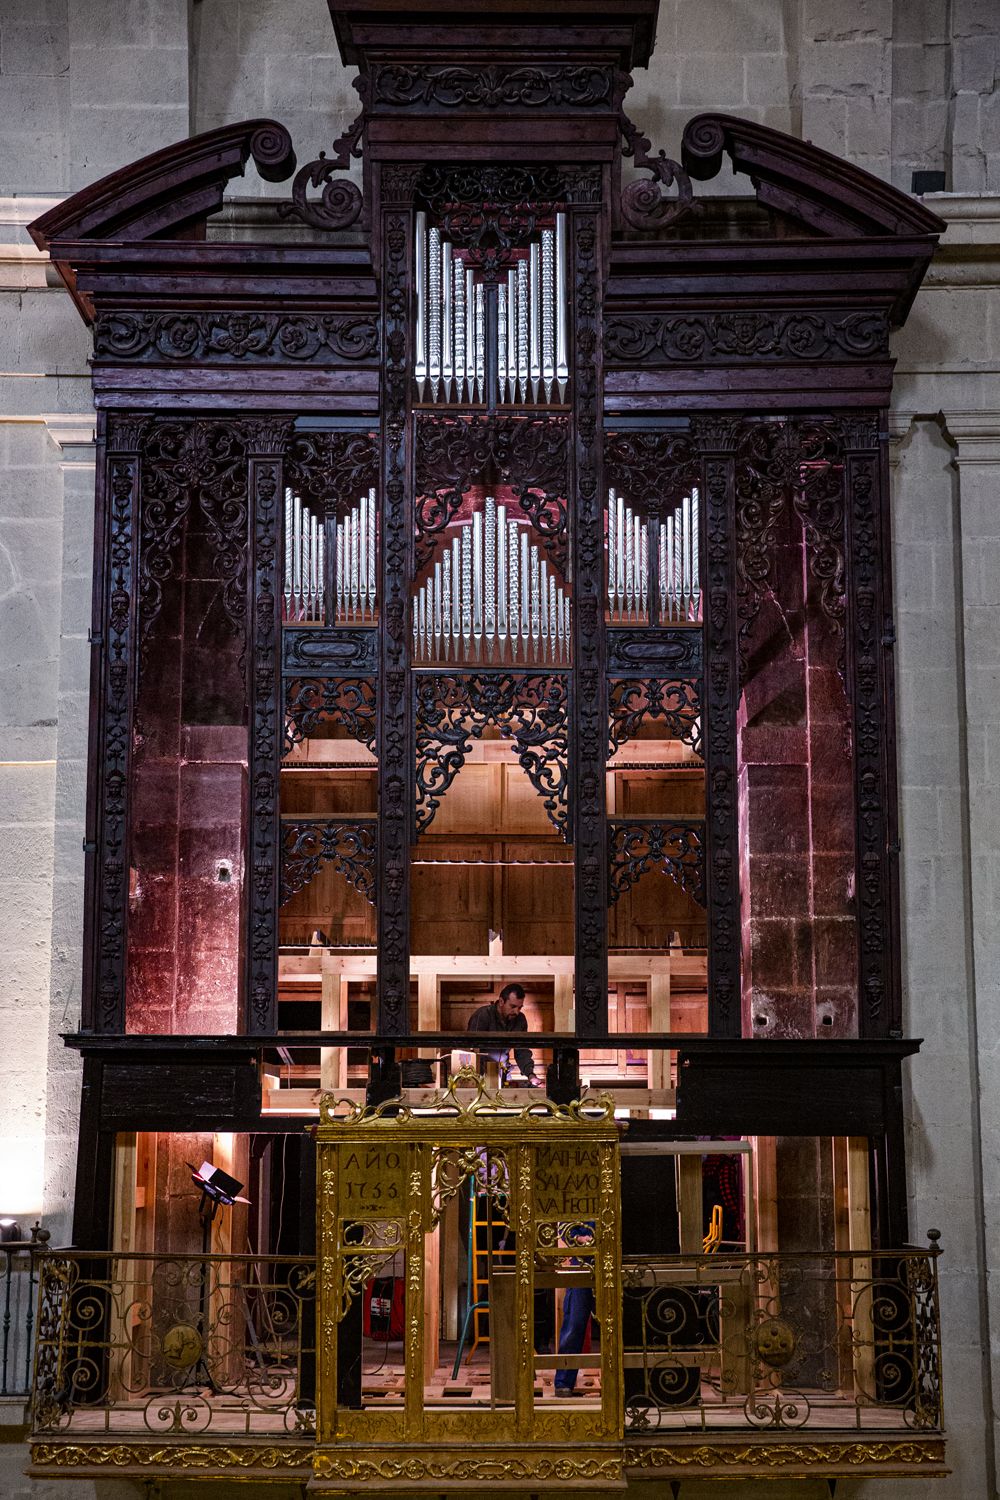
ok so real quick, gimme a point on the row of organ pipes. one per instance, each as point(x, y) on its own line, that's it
point(491, 595)
point(492, 587)
point(531, 313)
point(677, 566)
point(354, 549)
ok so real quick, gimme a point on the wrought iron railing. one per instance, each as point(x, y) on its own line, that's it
point(18, 1268)
point(185, 1345)
point(192, 1347)
point(782, 1341)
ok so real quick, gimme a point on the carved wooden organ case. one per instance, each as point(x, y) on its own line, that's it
point(520, 438)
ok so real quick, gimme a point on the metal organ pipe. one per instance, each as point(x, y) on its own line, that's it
point(303, 591)
point(531, 314)
point(631, 552)
point(491, 595)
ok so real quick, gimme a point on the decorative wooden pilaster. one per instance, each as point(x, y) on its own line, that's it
point(715, 437)
point(589, 736)
point(395, 757)
point(114, 636)
point(870, 637)
point(266, 441)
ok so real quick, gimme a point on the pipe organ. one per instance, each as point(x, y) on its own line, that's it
point(482, 341)
point(491, 595)
point(653, 564)
point(305, 560)
point(354, 553)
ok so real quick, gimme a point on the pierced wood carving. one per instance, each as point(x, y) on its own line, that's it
point(349, 701)
point(308, 843)
point(528, 455)
point(201, 463)
point(633, 699)
point(331, 469)
point(532, 709)
point(675, 847)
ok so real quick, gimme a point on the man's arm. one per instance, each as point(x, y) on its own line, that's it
point(524, 1056)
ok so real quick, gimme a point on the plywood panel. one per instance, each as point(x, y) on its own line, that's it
point(321, 794)
point(451, 906)
point(660, 794)
point(331, 904)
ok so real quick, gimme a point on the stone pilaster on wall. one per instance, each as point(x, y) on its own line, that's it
point(977, 458)
point(943, 1147)
point(30, 569)
point(76, 462)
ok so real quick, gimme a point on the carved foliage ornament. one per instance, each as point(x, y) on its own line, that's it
point(644, 203)
point(675, 847)
point(498, 87)
point(223, 337)
point(653, 469)
point(488, 210)
point(633, 699)
point(308, 843)
point(332, 469)
point(530, 456)
point(721, 338)
point(267, 439)
point(340, 203)
point(185, 463)
point(531, 709)
point(796, 463)
point(349, 701)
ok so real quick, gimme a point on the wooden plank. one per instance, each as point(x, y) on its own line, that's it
point(765, 1171)
point(428, 1008)
point(689, 1203)
point(658, 1071)
point(432, 1303)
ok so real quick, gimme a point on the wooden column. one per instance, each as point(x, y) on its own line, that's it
point(870, 633)
point(394, 742)
point(715, 437)
point(589, 725)
point(266, 440)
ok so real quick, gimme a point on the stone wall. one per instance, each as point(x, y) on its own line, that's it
point(896, 85)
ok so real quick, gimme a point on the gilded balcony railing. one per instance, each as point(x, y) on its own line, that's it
point(782, 1342)
point(184, 1346)
point(153, 1361)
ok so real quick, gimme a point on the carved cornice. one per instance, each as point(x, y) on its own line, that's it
point(801, 1456)
point(556, 86)
point(828, 194)
point(272, 1459)
point(161, 195)
point(236, 337)
point(722, 338)
point(503, 1467)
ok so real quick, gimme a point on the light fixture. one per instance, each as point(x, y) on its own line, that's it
point(10, 1231)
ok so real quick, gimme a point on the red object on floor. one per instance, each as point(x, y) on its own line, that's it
point(382, 1317)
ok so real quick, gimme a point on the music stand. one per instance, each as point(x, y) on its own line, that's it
point(218, 1190)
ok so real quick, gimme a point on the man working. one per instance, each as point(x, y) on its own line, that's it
point(506, 1014)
